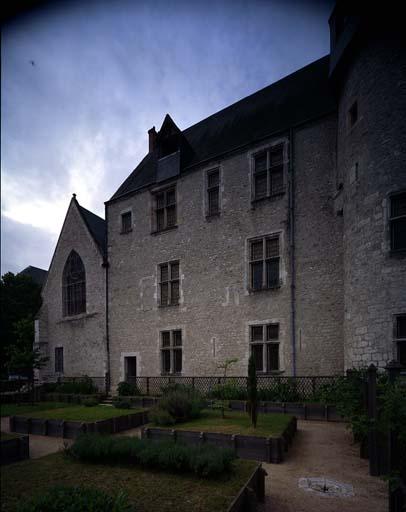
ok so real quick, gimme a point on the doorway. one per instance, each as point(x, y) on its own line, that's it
point(130, 366)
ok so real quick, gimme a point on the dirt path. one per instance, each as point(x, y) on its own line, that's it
point(322, 449)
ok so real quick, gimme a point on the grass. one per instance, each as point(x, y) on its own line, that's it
point(235, 422)
point(21, 409)
point(147, 491)
point(5, 436)
point(82, 413)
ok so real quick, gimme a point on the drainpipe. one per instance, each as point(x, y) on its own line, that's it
point(292, 251)
point(106, 266)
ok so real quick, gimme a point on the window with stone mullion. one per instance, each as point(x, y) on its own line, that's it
point(398, 222)
point(165, 209)
point(264, 341)
point(171, 352)
point(169, 284)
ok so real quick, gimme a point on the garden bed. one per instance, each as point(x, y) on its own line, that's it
point(267, 442)
point(147, 490)
point(304, 411)
point(69, 422)
point(13, 448)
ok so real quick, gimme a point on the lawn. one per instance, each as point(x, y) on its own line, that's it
point(148, 491)
point(235, 422)
point(81, 413)
point(5, 436)
point(20, 410)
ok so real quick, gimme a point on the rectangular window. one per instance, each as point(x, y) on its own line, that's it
point(264, 342)
point(213, 192)
point(398, 222)
point(165, 209)
point(400, 338)
point(126, 222)
point(264, 263)
point(171, 352)
point(268, 178)
point(59, 360)
point(169, 283)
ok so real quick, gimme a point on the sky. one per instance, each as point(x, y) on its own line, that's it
point(82, 82)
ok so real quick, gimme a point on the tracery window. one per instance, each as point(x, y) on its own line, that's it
point(74, 286)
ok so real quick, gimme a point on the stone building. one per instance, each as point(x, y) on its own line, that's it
point(276, 226)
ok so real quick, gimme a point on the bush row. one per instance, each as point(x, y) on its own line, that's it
point(82, 386)
point(76, 499)
point(202, 460)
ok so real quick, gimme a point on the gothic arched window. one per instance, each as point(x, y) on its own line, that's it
point(74, 286)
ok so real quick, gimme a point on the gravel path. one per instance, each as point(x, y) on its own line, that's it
point(322, 449)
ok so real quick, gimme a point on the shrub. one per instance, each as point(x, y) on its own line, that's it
point(90, 402)
point(120, 403)
point(279, 392)
point(127, 389)
point(82, 386)
point(161, 417)
point(76, 499)
point(229, 391)
point(177, 406)
point(203, 460)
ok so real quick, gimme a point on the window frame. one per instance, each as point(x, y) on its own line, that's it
point(171, 348)
point(397, 338)
point(124, 230)
point(210, 188)
point(59, 360)
point(265, 342)
point(394, 219)
point(270, 168)
point(164, 209)
point(264, 260)
point(74, 300)
point(168, 282)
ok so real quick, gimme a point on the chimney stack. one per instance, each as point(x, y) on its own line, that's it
point(152, 139)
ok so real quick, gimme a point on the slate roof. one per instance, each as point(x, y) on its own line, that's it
point(38, 275)
point(96, 226)
point(302, 96)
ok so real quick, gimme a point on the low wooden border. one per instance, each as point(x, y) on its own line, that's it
point(266, 449)
point(303, 411)
point(14, 450)
point(71, 429)
point(251, 493)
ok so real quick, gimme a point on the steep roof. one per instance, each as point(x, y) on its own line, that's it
point(302, 96)
point(96, 226)
point(38, 275)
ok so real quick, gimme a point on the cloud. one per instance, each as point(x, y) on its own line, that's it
point(103, 74)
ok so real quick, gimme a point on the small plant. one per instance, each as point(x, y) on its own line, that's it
point(127, 389)
point(90, 402)
point(205, 460)
point(161, 417)
point(120, 403)
point(252, 392)
point(78, 499)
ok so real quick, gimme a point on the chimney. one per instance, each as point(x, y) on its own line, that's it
point(152, 139)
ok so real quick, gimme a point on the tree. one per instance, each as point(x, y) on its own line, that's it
point(252, 392)
point(20, 300)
